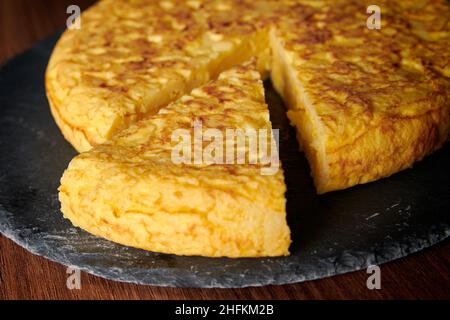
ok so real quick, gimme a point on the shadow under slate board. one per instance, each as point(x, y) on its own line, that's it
point(332, 234)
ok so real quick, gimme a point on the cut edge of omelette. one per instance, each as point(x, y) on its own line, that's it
point(129, 191)
point(385, 143)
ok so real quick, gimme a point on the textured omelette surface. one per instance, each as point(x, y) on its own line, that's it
point(129, 189)
point(366, 103)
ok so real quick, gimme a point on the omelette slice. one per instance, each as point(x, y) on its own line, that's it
point(131, 191)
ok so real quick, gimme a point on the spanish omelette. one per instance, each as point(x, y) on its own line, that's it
point(366, 103)
point(129, 189)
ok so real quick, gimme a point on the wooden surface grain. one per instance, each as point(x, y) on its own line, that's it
point(424, 275)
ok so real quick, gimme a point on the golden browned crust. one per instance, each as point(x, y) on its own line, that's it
point(72, 134)
point(392, 146)
point(130, 191)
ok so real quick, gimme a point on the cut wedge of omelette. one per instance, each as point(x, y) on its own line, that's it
point(365, 103)
point(131, 191)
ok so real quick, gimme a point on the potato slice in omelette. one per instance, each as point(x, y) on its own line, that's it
point(129, 190)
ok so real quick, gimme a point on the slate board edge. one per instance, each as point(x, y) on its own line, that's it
point(439, 235)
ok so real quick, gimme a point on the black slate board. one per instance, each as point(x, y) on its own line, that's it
point(335, 233)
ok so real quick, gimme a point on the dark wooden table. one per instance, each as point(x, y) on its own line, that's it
point(424, 275)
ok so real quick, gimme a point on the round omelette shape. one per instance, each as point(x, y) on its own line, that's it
point(365, 103)
point(331, 234)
